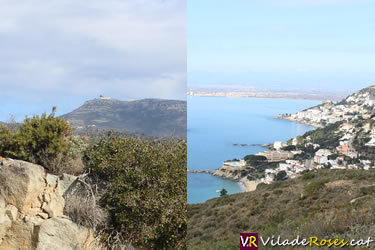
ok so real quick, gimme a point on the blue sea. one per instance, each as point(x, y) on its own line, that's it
point(216, 123)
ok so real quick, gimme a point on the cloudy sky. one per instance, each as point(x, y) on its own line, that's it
point(282, 44)
point(64, 52)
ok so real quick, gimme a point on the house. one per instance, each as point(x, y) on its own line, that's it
point(277, 145)
point(343, 149)
point(320, 159)
point(279, 155)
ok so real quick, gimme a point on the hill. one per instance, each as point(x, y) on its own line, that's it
point(361, 104)
point(154, 117)
point(325, 204)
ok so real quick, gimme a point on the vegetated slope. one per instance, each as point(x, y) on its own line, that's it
point(155, 117)
point(328, 203)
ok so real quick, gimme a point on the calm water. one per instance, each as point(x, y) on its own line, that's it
point(215, 123)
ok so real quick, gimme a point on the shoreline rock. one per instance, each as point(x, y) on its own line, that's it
point(229, 174)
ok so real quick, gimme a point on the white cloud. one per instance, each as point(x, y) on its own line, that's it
point(123, 48)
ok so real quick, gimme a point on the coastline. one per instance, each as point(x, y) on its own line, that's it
point(268, 97)
point(245, 184)
point(298, 121)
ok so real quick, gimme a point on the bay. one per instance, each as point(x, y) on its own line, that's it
point(216, 123)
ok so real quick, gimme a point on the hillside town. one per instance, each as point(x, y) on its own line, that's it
point(344, 139)
point(358, 105)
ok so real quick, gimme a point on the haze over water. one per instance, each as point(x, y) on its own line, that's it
point(216, 123)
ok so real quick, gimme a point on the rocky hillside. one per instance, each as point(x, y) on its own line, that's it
point(154, 117)
point(361, 104)
point(32, 209)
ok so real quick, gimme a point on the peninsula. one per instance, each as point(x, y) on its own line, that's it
point(245, 92)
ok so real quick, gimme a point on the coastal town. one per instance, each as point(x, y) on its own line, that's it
point(344, 139)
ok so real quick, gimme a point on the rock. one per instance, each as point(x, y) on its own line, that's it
point(43, 215)
point(65, 183)
point(2, 202)
point(26, 218)
point(35, 221)
point(5, 223)
point(55, 207)
point(33, 211)
point(24, 182)
point(36, 203)
point(52, 180)
point(62, 233)
point(12, 212)
point(18, 237)
point(47, 197)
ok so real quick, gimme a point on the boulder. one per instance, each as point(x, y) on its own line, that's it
point(19, 236)
point(24, 182)
point(62, 233)
point(31, 209)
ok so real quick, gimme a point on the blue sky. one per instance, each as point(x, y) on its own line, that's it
point(62, 53)
point(282, 44)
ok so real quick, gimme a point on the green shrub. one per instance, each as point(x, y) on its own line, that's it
point(42, 140)
point(308, 176)
point(146, 196)
point(315, 186)
point(6, 141)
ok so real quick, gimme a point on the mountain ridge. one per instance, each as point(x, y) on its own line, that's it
point(154, 117)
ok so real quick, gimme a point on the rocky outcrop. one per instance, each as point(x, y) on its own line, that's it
point(32, 209)
point(23, 181)
point(62, 233)
point(228, 172)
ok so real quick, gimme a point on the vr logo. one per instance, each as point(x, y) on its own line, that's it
point(249, 241)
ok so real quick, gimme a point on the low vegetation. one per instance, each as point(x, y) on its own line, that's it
point(44, 140)
point(327, 203)
point(146, 191)
point(326, 137)
point(133, 190)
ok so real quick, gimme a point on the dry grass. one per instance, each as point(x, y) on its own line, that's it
point(64, 164)
point(83, 210)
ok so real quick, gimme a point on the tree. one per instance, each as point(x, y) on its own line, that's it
point(280, 176)
point(289, 148)
point(254, 160)
point(223, 192)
